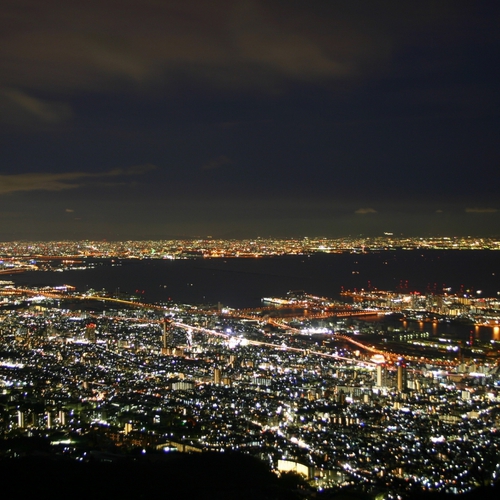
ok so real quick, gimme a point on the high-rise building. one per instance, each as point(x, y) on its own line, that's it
point(381, 375)
point(166, 348)
point(401, 375)
point(21, 419)
point(50, 423)
point(62, 417)
point(90, 332)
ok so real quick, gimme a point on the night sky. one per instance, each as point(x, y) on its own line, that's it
point(125, 119)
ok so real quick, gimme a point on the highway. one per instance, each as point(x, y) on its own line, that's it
point(246, 314)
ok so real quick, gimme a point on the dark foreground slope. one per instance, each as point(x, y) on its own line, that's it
point(207, 476)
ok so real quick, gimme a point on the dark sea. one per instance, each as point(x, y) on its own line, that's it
point(241, 282)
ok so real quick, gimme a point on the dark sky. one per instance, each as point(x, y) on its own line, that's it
point(162, 118)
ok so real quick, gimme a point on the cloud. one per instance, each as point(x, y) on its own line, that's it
point(481, 210)
point(260, 39)
point(61, 181)
point(219, 162)
point(19, 108)
point(69, 210)
point(138, 169)
point(135, 170)
point(439, 211)
point(363, 211)
point(44, 110)
point(59, 45)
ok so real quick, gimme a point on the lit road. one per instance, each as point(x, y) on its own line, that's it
point(236, 314)
point(281, 347)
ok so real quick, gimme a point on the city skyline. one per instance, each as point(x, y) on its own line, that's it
point(247, 118)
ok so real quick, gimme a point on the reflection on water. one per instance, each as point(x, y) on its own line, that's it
point(436, 328)
point(496, 333)
point(242, 283)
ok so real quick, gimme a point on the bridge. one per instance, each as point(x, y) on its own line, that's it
point(390, 356)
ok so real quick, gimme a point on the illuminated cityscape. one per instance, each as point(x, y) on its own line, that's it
point(33, 255)
point(305, 384)
point(250, 249)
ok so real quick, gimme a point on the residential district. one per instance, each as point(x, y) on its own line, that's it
point(303, 383)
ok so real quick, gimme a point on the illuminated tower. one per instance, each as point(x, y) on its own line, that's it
point(166, 338)
point(21, 419)
point(50, 422)
point(62, 417)
point(381, 375)
point(217, 376)
point(90, 333)
point(401, 375)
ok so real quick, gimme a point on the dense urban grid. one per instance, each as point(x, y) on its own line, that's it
point(301, 383)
